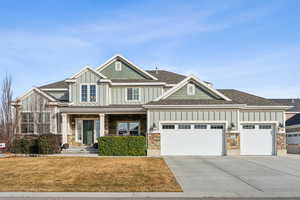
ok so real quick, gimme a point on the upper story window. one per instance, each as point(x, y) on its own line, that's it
point(118, 66)
point(88, 93)
point(190, 89)
point(133, 94)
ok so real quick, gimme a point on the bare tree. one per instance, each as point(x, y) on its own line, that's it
point(6, 115)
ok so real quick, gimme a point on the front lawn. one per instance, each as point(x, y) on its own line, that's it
point(78, 174)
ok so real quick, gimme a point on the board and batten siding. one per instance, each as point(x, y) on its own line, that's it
point(33, 103)
point(148, 93)
point(155, 116)
point(260, 116)
point(89, 78)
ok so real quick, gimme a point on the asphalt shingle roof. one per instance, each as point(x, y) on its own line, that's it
point(290, 102)
point(58, 84)
point(166, 76)
point(237, 97)
point(295, 120)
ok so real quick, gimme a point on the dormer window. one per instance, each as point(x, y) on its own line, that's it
point(190, 89)
point(118, 66)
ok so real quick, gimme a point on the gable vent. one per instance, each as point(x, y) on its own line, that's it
point(118, 66)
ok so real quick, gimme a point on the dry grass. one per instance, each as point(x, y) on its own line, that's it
point(74, 174)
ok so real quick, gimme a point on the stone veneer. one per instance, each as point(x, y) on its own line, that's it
point(153, 144)
point(281, 143)
point(232, 141)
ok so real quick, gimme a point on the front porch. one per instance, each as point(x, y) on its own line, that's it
point(84, 129)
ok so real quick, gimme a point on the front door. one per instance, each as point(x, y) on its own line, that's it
point(88, 132)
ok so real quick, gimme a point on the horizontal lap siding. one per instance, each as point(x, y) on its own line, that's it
point(192, 115)
point(149, 93)
point(261, 116)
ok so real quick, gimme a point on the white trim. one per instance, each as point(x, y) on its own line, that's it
point(118, 56)
point(118, 66)
point(105, 81)
point(70, 81)
point(54, 89)
point(142, 83)
point(70, 93)
point(291, 112)
point(140, 94)
point(88, 93)
point(235, 106)
point(84, 70)
point(30, 91)
point(170, 85)
point(260, 122)
point(267, 107)
point(184, 82)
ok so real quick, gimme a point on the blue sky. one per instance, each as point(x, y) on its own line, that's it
point(252, 46)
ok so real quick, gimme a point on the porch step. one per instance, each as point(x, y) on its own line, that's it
point(80, 150)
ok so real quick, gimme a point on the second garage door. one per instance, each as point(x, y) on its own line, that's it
point(192, 139)
point(257, 139)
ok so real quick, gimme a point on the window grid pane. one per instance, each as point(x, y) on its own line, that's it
point(84, 93)
point(92, 93)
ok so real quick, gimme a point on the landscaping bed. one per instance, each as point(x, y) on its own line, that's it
point(78, 174)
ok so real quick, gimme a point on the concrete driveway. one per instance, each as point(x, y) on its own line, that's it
point(238, 176)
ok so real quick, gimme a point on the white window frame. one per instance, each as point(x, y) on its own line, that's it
point(118, 66)
point(88, 93)
point(133, 121)
point(35, 121)
point(190, 85)
point(132, 100)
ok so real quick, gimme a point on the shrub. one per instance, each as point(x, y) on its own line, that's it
point(43, 144)
point(25, 146)
point(49, 144)
point(122, 146)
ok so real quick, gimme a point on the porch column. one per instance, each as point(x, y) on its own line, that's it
point(64, 128)
point(102, 124)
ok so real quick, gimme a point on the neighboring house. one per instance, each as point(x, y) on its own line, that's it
point(292, 116)
point(179, 115)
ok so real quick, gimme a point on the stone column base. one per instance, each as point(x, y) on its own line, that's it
point(281, 144)
point(232, 142)
point(153, 144)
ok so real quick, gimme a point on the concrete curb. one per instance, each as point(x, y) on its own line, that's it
point(143, 195)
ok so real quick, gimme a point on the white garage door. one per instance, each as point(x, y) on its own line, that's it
point(257, 139)
point(192, 139)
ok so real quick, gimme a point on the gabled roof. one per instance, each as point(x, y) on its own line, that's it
point(295, 120)
point(56, 85)
point(29, 92)
point(129, 63)
point(166, 76)
point(87, 68)
point(196, 81)
point(290, 102)
point(249, 99)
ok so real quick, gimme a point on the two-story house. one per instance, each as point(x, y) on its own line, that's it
point(179, 115)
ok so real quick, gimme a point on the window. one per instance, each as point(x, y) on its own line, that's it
point(128, 128)
point(200, 126)
point(27, 122)
point(43, 123)
point(216, 127)
point(84, 93)
point(249, 127)
point(190, 89)
point(133, 94)
point(264, 126)
point(118, 66)
point(92, 93)
point(184, 126)
point(168, 126)
point(88, 93)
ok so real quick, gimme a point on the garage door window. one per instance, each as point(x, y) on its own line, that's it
point(216, 126)
point(248, 127)
point(184, 126)
point(265, 127)
point(168, 126)
point(200, 126)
